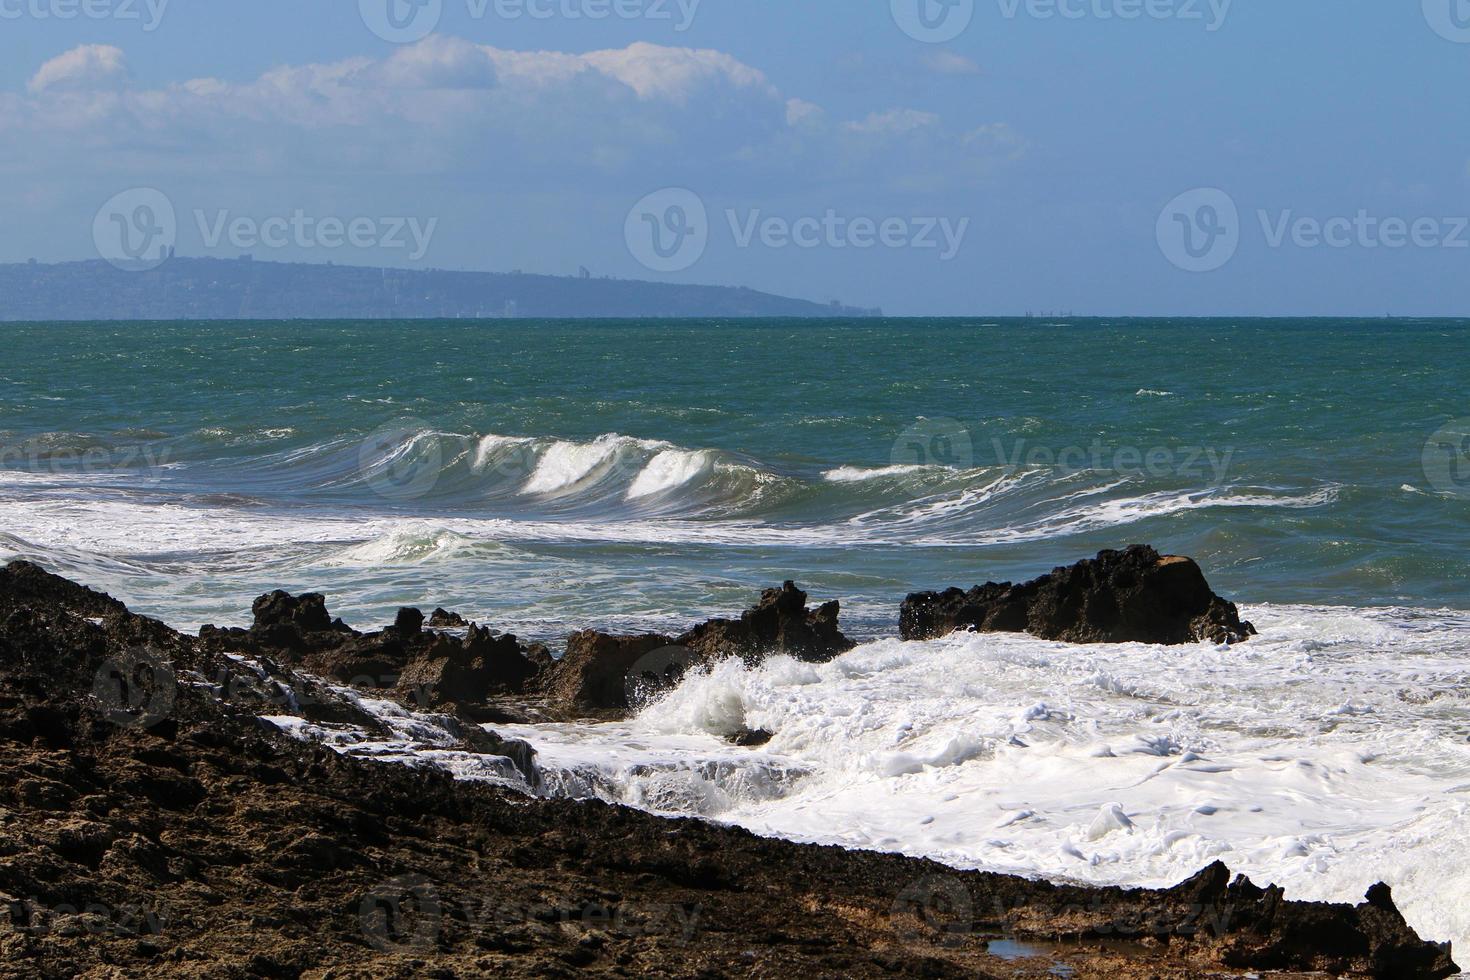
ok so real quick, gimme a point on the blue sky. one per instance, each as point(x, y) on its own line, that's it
point(1301, 157)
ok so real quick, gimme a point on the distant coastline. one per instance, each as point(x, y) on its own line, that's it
point(243, 289)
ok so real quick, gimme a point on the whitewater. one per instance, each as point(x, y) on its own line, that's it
point(551, 477)
point(1328, 754)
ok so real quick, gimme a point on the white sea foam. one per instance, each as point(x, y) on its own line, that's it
point(670, 469)
point(859, 474)
point(1325, 755)
point(566, 465)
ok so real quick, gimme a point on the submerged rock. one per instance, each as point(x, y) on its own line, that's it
point(1135, 596)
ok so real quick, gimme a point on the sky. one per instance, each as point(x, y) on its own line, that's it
point(930, 157)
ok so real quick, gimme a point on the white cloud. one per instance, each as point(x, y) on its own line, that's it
point(87, 68)
point(998, 140)
point(894, 122)
point(445, 106)
point(800, 112)
point(950, 63)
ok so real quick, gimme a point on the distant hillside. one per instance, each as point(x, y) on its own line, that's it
point(209, 289)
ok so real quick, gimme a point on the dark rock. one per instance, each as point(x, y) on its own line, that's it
point(468, 670)
point(409, 623)
point(1121, 596)
point(780, 623)
point(443, 619)
point(593, 675)
point(308, 612)
point(240, 851)
point(751, 738)
point(609, 675)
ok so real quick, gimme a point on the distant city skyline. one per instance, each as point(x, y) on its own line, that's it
point(1189, 157)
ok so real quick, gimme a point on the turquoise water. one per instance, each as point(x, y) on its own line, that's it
point(545, 475)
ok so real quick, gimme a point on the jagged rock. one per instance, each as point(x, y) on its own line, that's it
point(780, 623)
point(593, 675)
point(442, 619)
point(1121, 596)
point(605, 674)
point(221, 846)
point(466, 671)
point(409, 622)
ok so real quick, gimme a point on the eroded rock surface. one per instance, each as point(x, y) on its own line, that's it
point(151, 824)
point(1135, 595)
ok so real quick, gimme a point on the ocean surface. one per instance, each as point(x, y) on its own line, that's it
point(542, 477)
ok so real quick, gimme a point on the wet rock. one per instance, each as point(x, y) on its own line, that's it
point(750, 738)
point(1136, 595)
point(468, 670)
point(442, 619)
point(222, 847)
point(593, 675)
point(780, 623)
point(409, 623)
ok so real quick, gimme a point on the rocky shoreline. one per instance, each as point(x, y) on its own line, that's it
point(154, 821)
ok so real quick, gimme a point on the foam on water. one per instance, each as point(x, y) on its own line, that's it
point(669, 470)
point(567, 465)
point(1326, 755)
point(860, 474)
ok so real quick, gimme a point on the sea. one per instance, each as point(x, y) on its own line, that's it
point(542, 477)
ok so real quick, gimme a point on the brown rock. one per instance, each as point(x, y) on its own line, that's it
point(780, 623)
point(1121, 596)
